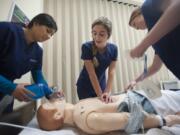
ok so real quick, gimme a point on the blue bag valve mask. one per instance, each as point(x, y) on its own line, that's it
point(40, 90)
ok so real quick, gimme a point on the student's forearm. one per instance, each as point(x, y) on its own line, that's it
point(154, 68)
point(149, 73)
point(95, 84)
point(111, 72)
point(168, 21)
point(93, 77)
point(142, 76)
point(109, 82)
point(38, 77)
point(6, 86)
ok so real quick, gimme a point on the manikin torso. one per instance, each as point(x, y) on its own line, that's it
point(85, 107)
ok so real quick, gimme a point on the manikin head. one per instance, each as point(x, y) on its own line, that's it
point(50, 115)
point(137, 20)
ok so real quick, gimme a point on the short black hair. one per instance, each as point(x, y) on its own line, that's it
point(44, 19)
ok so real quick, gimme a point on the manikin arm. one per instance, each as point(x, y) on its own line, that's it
point(172, 119)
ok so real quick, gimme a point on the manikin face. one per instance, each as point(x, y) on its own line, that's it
point(50, 115)
point(139, 23)
point(42, 33)
point(100, 36)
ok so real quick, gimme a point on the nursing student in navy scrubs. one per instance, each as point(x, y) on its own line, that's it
point(98, 55)
point(19, 54)
point(161, 18)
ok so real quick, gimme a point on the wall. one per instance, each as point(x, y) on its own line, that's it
point(28, 6)
point(30, 9)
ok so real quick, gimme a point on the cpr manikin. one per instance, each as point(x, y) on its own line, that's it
point(90, 115)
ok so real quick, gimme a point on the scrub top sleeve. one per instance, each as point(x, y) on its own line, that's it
point(6, 86)
point(38, 77)
point(39, 80)
point(115, 53)
point(86, 52)
point(39, 57)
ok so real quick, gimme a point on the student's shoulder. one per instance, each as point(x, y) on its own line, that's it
point(38, 47)
point(5, 24)
point(112, 46)
point(87, 44)
point(9, 26)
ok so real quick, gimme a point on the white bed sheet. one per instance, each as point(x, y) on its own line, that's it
point(65, 131)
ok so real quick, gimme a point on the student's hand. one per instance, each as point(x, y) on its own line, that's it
point(138, 51)
point(131, 85)
point(22, 94)
point(106, 97)
point(172, 119)
point(57, 95)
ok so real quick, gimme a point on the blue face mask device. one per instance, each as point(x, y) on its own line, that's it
point(40, 90)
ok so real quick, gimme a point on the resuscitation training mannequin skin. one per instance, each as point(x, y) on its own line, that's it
point(90, 115)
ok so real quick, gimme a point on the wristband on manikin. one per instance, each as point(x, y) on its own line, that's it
point(162, 121)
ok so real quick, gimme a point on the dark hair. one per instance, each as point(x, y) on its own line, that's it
point(44, 19)
point(134, 14)
point(105, 22)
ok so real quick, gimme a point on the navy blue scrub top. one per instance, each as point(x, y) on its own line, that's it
point(84, 86)
point(168, 47)
point(17, 57)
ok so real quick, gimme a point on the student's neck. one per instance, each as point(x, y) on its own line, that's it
point(101, 50)
point(28, 36)
point(68, 119)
